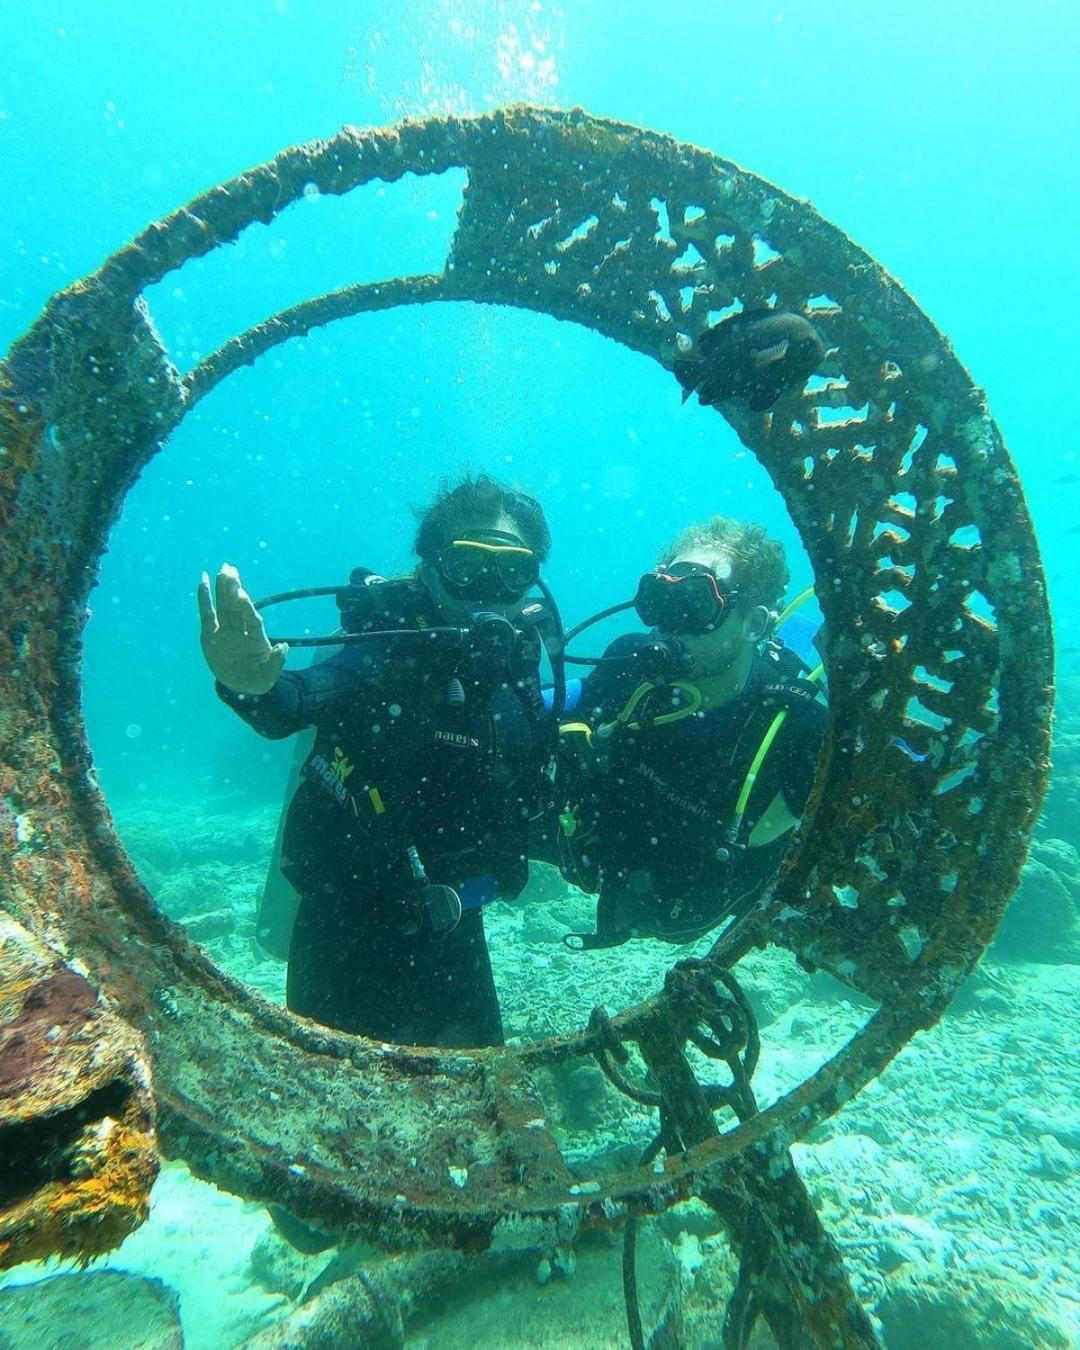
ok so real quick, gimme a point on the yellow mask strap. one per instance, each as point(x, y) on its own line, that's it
point(492, 548)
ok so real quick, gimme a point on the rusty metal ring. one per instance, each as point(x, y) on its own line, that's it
point(939, 659)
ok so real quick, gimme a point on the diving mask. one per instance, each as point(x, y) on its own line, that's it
point(494, 566)
point(682, 598)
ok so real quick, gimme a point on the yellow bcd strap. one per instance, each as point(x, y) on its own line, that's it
point(759, 758)
point(799, 600)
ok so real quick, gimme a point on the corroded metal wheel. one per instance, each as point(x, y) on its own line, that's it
point(939, 658)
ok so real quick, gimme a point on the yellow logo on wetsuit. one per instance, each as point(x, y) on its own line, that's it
point(342, 765)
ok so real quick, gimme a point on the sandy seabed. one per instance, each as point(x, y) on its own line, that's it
point(952, 1183)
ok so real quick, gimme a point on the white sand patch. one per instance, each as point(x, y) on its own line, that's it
point(197, 1240)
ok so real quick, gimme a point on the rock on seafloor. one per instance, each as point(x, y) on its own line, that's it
point(78, 1145)
point(95, 1310)
point(965, 1315)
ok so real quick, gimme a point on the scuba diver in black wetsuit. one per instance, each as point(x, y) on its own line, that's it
point(428, 761)
point(695, 749)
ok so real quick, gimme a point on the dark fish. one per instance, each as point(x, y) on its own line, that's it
point(754, 355)
point(1066, 479)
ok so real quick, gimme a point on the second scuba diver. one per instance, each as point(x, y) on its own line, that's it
point(695, 749)
point(428, 761)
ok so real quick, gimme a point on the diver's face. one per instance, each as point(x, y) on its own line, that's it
point(738, 631)
point(453, 608)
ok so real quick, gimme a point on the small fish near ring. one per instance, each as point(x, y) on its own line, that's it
point(755, 356)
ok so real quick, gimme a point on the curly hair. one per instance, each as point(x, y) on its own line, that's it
point(758, 566)
point(471, 500)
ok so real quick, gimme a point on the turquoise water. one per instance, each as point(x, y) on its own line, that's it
point(934, 136)
point(940, 137)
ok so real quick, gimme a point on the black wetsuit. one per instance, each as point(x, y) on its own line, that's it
point(649, 809)
point(422, 742)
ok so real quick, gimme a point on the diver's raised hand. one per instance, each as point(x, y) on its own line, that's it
point(233, 638)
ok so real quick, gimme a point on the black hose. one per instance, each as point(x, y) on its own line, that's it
point(305, 594)
point(350, 639)
point(629, 1280)
point(556, 653)
point(595, 618)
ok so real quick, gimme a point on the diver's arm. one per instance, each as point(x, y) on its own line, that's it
point(277, 713)
point(233, 638)
point(301, 698)
point(248, 667)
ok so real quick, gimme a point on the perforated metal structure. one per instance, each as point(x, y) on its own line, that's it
point(939, 659)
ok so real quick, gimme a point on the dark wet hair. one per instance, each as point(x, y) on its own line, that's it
point(758, 566)
point(474, 500)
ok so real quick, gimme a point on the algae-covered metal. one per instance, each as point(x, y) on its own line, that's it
point(78, 1152)
point(938, 655)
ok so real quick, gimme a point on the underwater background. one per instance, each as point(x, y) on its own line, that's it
point(942, 138)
